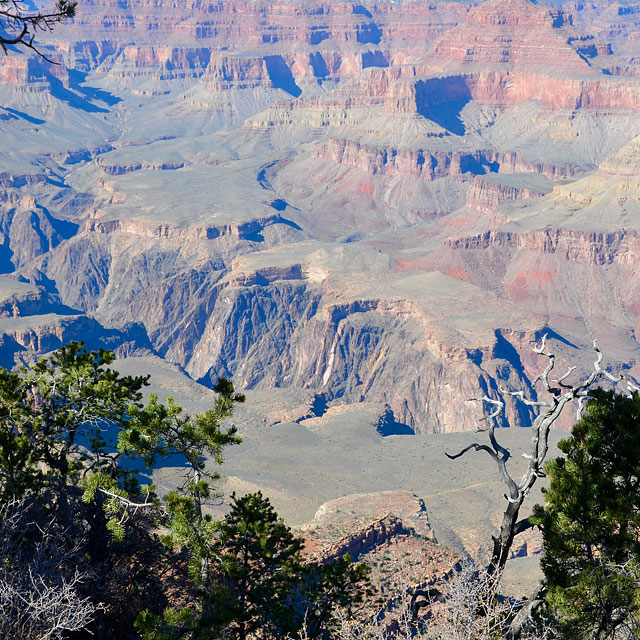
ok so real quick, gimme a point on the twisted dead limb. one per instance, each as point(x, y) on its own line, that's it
point(561, 393)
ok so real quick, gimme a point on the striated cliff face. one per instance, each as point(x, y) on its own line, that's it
point(267, 22)
point(486, 195)
point(425, 164)
point(379, 203)
point(289, 324)
point(535, 33)
point(586, 247)
point(570, 254)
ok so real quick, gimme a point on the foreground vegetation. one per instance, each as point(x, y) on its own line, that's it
point(121, 561)
point(87, 547)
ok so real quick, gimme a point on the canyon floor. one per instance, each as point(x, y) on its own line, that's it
point(363, 213)
point(306, 464)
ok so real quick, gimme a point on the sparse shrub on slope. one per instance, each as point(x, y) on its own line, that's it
point(468, 608)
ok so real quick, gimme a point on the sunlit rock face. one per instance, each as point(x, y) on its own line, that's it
point(376, 203)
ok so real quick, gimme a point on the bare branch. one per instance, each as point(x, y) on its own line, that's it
point(19, 26)
point(126, 501)
point(499, 405)
point(599, 369)
point(543, 344)
point(562, 378)
point(516, 500)
point(560, 395)
point(632, 388)
point(477, 447)
point(526, 401)
point(130, 507)
point(39, 597)
point(544, 376)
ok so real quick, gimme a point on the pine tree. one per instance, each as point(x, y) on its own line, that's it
point(260, 568)
point(54, 424)
point(74, 433)
point(591, 521)
point(260, 584)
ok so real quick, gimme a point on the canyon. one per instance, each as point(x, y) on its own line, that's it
point(368, 208)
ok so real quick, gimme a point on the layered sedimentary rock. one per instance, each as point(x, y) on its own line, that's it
point(570, 254)
point(373, 203)
point(487, 193)
point(430, 165)
point(512, 33)
point(375, 528)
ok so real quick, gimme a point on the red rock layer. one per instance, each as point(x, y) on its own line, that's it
point(506, 89)
point(516, 33)
point(431, 165)
point(264, 22)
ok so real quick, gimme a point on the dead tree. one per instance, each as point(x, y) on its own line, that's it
point(560, 394)
point(19, 26)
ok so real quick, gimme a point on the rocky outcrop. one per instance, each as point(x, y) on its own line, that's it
point(166, 58)
point(431, 165)
point(29, 71)
point(348, 351)
point(10, 179)
point(29, 231)
point(486, 195)
point(366, 526)
point(236, 72)
point(267, 23)
point(359, 523)
point(144, 228)
point(40, 334)
point(19, 298)
point(610, 22)
point(120, 169)
point(19, 71)
point(589, 248)
point(27, 337)
point(33, 233)
point(282, 323)
point(363, 540)
point(505, 89)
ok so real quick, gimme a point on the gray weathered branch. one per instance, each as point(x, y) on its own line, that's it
point(561, 393)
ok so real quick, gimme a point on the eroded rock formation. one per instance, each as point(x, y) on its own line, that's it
point(380, 203)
